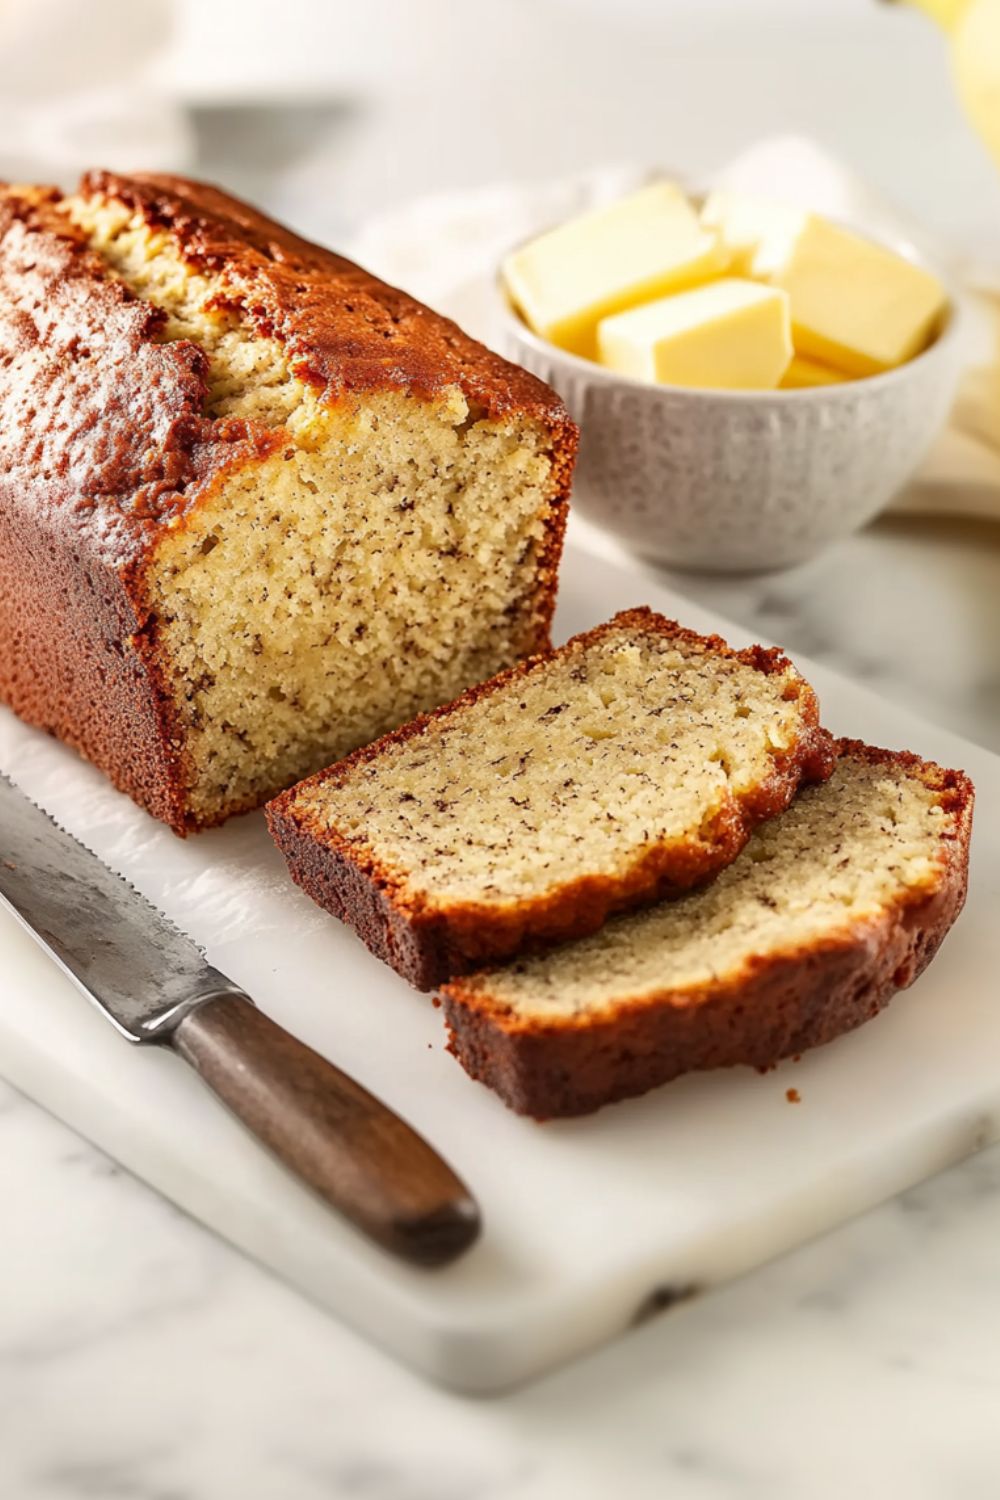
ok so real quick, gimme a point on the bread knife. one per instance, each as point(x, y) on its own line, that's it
point(155, 986)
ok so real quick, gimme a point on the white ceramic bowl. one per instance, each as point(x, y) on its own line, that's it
point(739, 481)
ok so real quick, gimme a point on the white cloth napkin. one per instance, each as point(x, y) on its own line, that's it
point(445, 250)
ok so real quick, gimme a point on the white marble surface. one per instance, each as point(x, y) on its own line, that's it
point(142, 1359)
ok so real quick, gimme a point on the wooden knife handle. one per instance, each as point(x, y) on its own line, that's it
point(351, 1149)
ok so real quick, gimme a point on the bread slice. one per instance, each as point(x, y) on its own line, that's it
point(628, 765)
point(831, 908)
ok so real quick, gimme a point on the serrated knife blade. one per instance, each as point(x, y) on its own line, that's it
point(125, 956)
point(155, 986)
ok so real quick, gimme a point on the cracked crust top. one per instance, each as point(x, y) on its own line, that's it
point(118, 445)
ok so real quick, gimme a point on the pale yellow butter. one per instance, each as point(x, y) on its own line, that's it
point(754, 231)
point(649, 243)
point(804, 372)
point(729, 335)
point(855, 305)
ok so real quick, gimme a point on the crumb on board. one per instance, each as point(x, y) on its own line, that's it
point(793, 1096)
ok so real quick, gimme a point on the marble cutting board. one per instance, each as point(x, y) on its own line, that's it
point(592, 1224)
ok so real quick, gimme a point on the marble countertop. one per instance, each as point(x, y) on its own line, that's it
point(143, 1359)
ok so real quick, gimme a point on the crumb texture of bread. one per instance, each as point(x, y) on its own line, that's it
point(297, 629)
point(630, 763)
point(830, 909)
point(350, 510)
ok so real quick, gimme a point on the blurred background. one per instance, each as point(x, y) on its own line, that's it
point(329, 110)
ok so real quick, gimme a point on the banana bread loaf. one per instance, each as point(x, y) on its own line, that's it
point(256, 507)
point(830, 909)
point(628, 765)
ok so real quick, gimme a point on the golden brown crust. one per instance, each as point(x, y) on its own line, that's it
point(104, 446)
point(428, 945)
point(776, 1007)
point(344, 329)
point(100, 421)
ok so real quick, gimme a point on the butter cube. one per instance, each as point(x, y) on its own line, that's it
point(647, 244)
point(855, 305)
point(803, 372)
point(754, 231)
point(729, 335)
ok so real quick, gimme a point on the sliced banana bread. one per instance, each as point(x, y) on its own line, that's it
point(256, 507)
point(829, 910)
point(628, 765)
